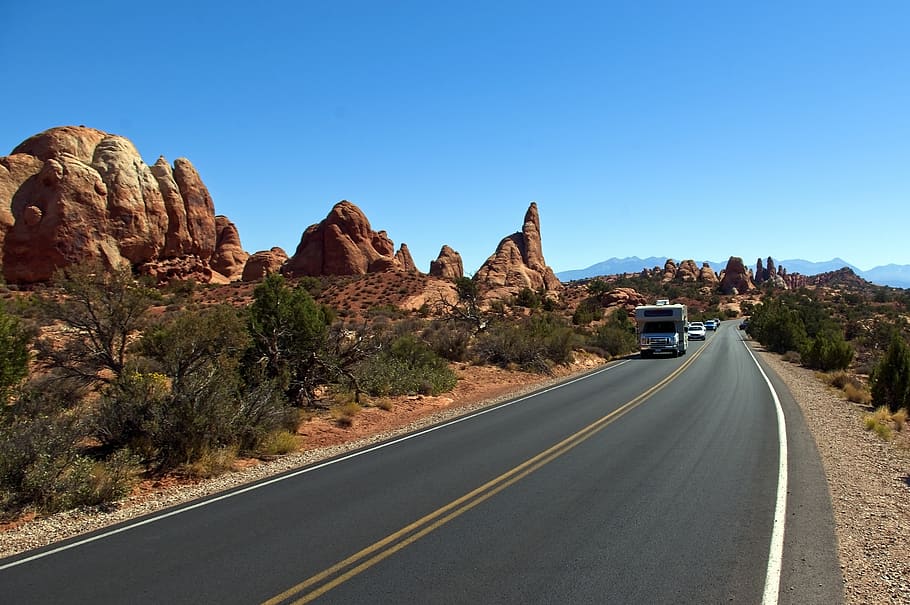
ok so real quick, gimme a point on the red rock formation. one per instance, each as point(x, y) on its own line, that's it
point(263, 263)
point(73, 194)
point(403, 256)
point(627, 298)
point(706, 275)
point(447, 265)
point(736, 279)
point(669, 271)
point(342, 244)
point(687, 271)
point(229, 258)
point(518, 262)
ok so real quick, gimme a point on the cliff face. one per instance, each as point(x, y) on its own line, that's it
point(73, 194)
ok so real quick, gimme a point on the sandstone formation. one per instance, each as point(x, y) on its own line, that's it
point(687, 272)
point(706, 275)
point(403, 256)
point(343, 244)
point(736, 279)
point(670, 269)
point(263, 263)
point(627, 298)
point(447, 265)
point(518, 262)
point(73, 194)
point(229, 258)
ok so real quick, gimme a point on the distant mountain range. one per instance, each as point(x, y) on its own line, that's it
point(896, 276)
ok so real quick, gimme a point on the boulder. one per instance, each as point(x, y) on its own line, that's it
point(262, 263)
point(447, 265)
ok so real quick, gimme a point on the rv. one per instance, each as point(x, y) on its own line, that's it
point(661, 328)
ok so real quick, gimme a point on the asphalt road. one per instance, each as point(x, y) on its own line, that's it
point(648, 481)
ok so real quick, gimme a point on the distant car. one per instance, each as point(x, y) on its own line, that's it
point(744, 325)
point(711, 324)
point(697, 331)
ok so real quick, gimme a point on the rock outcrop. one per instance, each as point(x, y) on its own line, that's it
point(706, 275)
point(403, 256)
point(74, 194)
point(687, 272)
point(229, 258)
point(736, 279)
point(447, 265)
point(262, 263)
point(518, 262)
point(343, 244)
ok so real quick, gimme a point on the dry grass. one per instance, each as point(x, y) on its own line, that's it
point(211, 463)
point(857, 394)
point(884, 422)
point(278, 443)
point(344, 413)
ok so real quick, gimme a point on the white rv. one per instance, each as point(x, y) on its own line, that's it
point(662, 328)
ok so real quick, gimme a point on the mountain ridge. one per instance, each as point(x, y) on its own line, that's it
point(896, 276)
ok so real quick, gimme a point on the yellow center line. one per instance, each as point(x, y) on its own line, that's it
point(384, 548)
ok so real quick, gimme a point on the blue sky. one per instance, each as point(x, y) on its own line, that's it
point(684, 129)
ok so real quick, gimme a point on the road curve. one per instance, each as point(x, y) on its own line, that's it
point(648, 481)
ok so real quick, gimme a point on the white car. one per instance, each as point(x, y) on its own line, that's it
point(697, 331)
point(711, 324)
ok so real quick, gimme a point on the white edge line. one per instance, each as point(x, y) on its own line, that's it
point(302, 471)
point(776, 551)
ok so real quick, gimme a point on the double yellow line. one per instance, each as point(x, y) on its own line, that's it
point(324, 581)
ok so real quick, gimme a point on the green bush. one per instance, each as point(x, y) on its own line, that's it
point(406, 367)
point(587, 311)
point(828, 351)
point(533, 344)
point(14, 355)
point(891, 377)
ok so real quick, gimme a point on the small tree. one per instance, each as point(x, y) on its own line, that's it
point(891, 377)
point(288, 329)
point(102, 309)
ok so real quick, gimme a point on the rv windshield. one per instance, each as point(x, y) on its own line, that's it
point(654, 327)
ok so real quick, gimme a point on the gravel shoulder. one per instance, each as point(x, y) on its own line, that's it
point(869, 479)
point(869, 482)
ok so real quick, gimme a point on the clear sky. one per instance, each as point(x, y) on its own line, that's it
point(698, 130)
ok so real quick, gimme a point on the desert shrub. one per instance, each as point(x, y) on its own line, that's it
point(528, 298)
point(407, 366)
point(532, 344)
point(587, 311)
point(792, 357)
point(14, 354)
point(828, 351)
point(777, 327)
point(449, 339)
point(344, 413)
point(879, 422)
point(857, 394)
point(617, 336)
point(891, 377)
point(277, 443)
point(42, 466)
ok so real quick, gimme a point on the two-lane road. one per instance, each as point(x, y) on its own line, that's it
point(648, 481)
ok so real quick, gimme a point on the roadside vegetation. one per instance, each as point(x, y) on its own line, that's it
point(107, 380)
